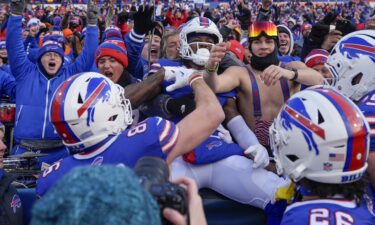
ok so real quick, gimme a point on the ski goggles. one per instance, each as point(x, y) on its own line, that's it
point(257, 28)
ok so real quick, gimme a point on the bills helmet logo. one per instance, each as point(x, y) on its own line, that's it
point(355, 46)
point(295, 113)
point(98, 89)
point(16, 203)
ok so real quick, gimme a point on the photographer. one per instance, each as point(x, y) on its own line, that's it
point(109, 195)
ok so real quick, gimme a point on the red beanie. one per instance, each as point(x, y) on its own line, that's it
point(316, 57)
point(114, 49)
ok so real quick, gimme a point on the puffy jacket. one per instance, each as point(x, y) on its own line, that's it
point(34, 91)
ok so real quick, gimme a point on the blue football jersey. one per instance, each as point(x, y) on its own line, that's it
point(367, 106)
point(152, 137)
point(327, 212)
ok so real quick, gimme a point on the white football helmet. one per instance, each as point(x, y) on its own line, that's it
point(87, 110)
point(320, 135)
point(198, 25)
point(352, 63)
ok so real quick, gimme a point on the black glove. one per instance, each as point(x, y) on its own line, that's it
point(92, 13)
point(17, 7)
point(318, 32)
point(329, 18)
point(143, 20)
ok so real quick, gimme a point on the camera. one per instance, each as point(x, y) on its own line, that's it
point(153, 175)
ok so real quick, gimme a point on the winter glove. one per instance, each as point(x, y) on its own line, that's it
point(92, 13)
point(181, 76)
point(143, 19)
point(260, 154)
point(224, 134)
point(17, 7)
point(321, 29)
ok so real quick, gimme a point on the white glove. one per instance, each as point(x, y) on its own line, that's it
point(260, 154)
point(181, 76)
point(224, 134)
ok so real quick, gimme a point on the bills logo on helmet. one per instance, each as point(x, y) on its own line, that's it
point(203, 21)
point(16, 203)
point(295, 113)
point(355, 46)
point(98, 89)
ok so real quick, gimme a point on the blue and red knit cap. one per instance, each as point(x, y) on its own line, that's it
point(316, 57)
point(53, 42)
point(112, 33)
point(114, 49)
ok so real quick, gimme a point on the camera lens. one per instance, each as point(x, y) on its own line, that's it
point(151, 170)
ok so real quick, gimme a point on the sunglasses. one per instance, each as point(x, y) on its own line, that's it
point(268, 28)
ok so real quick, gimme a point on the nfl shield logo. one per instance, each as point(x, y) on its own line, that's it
point(327, 166)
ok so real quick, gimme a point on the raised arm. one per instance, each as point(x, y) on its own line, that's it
point(227, 81)
point(85, 60)
point(18, 60)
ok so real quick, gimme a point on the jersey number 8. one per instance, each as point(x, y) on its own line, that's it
point(140, 128)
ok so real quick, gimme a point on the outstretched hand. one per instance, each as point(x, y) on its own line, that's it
point(216, 55)
point(92, 12)
point(143, 19)
point(17, 7)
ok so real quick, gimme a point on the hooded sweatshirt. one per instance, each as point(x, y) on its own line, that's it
point(287, 58)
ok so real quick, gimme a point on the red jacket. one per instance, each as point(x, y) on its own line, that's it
point(176, 22)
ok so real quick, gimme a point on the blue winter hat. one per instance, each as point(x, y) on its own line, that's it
point(97, 195)
point(52, 43)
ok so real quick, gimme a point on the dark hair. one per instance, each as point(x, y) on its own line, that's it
point(350, 191)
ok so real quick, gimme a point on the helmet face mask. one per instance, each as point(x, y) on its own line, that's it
point(351, 64)
point(88, 109)
point(322, 136)
point(198, 26)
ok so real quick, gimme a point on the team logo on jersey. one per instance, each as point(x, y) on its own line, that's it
point(296, 114)
point(98, 89)
point(356, 46)
point(214, 144)
point(16, 203)
point(97, 161)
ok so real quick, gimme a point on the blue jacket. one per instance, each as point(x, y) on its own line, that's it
point(134, 45)
point(7, 85)
point(34, 91)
